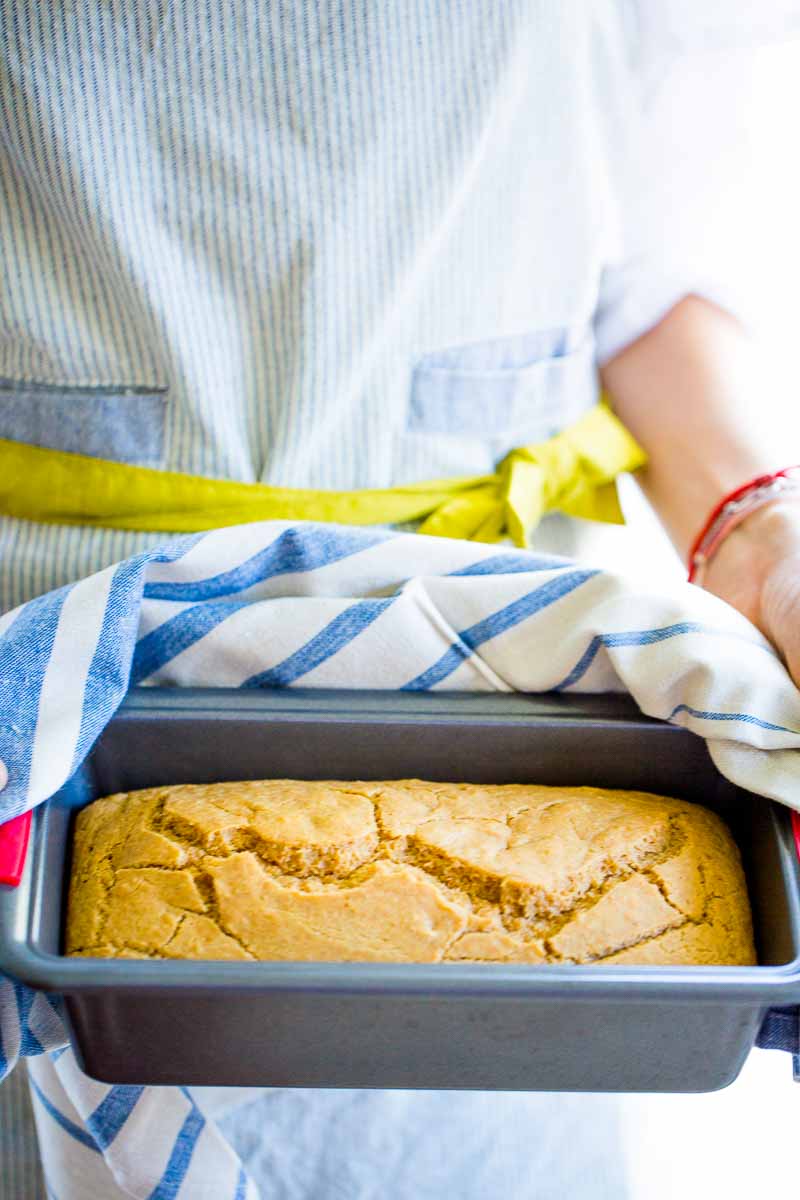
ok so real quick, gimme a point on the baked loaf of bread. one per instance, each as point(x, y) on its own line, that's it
point(406, 871)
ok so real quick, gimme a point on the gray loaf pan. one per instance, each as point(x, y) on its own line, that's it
point(572, 1028)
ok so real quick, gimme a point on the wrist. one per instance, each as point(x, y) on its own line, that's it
point(747, 567)
point(733, 509)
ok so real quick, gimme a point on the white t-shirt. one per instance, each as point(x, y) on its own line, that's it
point(352, 245)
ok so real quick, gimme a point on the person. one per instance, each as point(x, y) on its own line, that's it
point(357, 246)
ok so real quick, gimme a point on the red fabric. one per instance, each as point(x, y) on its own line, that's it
point(14, 837)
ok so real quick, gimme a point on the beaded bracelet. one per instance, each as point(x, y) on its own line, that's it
point(733, 509)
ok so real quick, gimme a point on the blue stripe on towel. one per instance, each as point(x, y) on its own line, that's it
point(112, 1112)
point(108, 678)
point(337, 634)
point(293, 551)
point(29, 1044)
point(647, 637)
point(745, 718)
point(636, 637)
point(74, 1131)
point(181, 1156)
point(513, 564)
point(6, 1063)
point(25, 651)
point(497, 623)
point(177, 634)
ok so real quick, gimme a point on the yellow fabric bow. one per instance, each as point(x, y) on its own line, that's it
point(573, 472)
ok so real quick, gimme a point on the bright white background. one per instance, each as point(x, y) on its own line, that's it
point(770, 245)
point(741, 1143)
point(776, 152)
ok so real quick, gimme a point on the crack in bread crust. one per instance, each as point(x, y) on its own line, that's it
point(406, 871)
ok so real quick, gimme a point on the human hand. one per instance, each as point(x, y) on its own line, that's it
point(757, 570)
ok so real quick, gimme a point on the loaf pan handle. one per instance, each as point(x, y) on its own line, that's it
point(780, 1029)
point(14, 838)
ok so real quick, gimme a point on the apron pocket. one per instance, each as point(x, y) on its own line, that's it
point(125, 424)
point(519, 389)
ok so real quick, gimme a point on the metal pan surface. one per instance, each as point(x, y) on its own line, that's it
point(593, 1028)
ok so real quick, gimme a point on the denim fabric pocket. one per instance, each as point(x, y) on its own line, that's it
point(121, 423)
point(520, 389)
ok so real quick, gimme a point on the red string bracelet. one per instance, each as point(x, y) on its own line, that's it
point(733, 509)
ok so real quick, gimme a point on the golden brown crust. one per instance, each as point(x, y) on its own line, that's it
point(406, 871)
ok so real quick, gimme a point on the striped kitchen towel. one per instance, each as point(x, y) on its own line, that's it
point(275, 604)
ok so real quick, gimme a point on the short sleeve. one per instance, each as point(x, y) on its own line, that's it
point(682, 174)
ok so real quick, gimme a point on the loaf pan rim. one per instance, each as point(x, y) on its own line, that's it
point(766, 985)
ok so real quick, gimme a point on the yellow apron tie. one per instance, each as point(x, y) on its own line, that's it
point(573, 472)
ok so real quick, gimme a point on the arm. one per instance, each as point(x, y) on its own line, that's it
point(690, 393)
